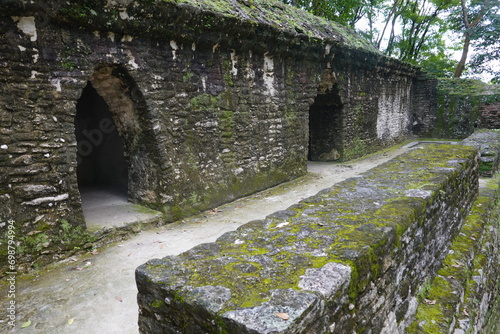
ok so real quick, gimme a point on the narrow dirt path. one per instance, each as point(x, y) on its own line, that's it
point(97, 293)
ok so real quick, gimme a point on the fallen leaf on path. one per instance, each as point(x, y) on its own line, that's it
point(119, 299)
point(283, 316)
point(85, 265)
point(26, 324)
point(200, 222)
point(430, 301)
point(129, 254)
point(94, 252)
point(70, 321)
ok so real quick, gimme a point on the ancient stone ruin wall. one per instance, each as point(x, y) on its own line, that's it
point(464, 297)
point(351, 259)
point(490, 115)
point(210, 101)
point(425, 105)
point(454, 108)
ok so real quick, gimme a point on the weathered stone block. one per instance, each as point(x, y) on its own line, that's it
point(350, 258)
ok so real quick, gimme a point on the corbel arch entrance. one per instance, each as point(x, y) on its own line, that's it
point(116, 147)
point(326, 121)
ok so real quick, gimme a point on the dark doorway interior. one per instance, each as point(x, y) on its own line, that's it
point(101, 153)
point(325, 127)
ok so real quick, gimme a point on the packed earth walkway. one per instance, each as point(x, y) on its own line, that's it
point(96, 292)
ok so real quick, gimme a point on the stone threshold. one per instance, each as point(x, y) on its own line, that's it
point(107, 209)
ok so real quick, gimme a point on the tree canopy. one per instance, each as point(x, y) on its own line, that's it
point(423, 32)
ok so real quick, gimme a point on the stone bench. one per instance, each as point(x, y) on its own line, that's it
point(351, 258)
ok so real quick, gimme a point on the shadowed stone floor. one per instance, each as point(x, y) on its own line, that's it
point(108, 207)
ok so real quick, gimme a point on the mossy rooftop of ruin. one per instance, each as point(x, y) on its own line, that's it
point(282, 17)
point(209, 21)
point(346, 229)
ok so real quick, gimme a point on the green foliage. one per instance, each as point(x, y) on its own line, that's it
point(475, 21)
point(35, 242)
point(439, 65)
point(357, 149)
point(346, 12)
point(488, 45)
point(68, 237)
point(418, 31)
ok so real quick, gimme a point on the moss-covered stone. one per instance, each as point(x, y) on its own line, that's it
point(363, 231)
point(488, 144)
point(463, 294)
point(458, 111)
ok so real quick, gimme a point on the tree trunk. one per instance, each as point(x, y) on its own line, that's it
point(468, 28)
point(463, 59)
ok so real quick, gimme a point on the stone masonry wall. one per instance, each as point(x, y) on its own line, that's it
point(425, 105)
point(464, 296)
point(487, 142)
point(350, 259)
point(210, 98)
point(455, 107)
point(490, 115)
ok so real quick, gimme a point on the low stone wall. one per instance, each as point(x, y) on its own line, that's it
point(487, 142)
point(351, 258)
point(462, 297)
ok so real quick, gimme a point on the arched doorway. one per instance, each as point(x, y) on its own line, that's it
point(118, 158)
point(101, 154)
point(325, 127)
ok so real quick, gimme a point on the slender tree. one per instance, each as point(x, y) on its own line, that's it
point(488, 46)
point(472, 15)
point(415, 30)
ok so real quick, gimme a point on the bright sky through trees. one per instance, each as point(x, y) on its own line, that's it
point(446, 37)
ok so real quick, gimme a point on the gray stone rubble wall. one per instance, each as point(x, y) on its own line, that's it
point(350, 259)
point(211, 102)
